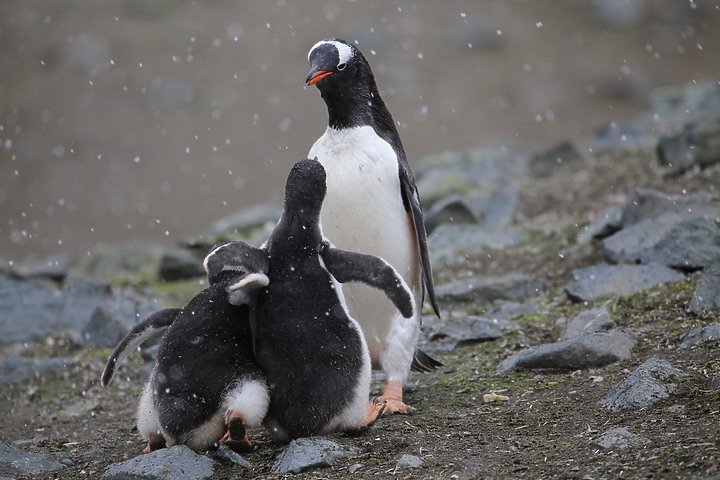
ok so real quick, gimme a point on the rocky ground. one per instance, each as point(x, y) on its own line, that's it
point(580, 294)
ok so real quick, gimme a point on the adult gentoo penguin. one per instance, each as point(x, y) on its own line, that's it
point(372, 206)
point(206, 386)
point(311, 351)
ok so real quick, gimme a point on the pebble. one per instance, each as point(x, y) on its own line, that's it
point(620, 438)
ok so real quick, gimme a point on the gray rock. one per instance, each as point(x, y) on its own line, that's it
point(225, 453)
point(180, 264)
point(451, 240)
point(603, 225)
point(620, 438)
point(307, 453)
point(645, 204)
point(697, 144)
point(706, 297)
point(468, 331)
point(701, 335)
point(103, 330)
point(672, 107)
point(650, 382)
point(54, 267)
point(29, 309)
point(558, 157)
point(511, 286)
point(486, 180)
point(409, 461)
point(16, 461)
point(604, 280)
point(673, 240)
point(80, 300)
point(174, 463)
point(248, 218)
point(596, 319)
point(34, 308)
point(591, 350)
point(616, 137)
point(451, 209)
point(16, 369)
point(511, 310)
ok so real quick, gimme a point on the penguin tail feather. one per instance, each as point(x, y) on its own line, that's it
point(423, 362)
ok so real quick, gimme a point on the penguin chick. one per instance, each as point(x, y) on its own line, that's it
point(310, 349)
point(206, 386)
point(372, 206)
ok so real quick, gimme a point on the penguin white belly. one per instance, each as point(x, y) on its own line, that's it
point(363, 212)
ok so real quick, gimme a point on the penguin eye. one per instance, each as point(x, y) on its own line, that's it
point(342, 66)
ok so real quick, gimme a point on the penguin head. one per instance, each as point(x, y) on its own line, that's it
point(334, 62)
point(305, 188)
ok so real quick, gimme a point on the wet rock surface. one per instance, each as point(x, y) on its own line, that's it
point(579, 302)
point(307, 453)
point(178, 463)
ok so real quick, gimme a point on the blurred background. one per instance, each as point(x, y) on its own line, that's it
point(146, 120)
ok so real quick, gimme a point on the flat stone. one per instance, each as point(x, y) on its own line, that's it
point(227, 454)
point(174, 463)
point(16, 369)
point(706, 297)
point(646, 204)
point(451, 240)
point(602, 225)
point(558, 157)
point(511, 311)
point(650, 382)
point(596, 319)
point(620, 438)
point(468, 330)
point(603, 280)
point(451, 209)
point(674, 240)
point(480, 289)
point(701, 335)
point(16, 461)
point(409, 461)
point(591, 350)
point(103, 330)
point(308, 453)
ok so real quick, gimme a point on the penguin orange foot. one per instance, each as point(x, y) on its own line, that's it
point(375, 409)
point(393, 399)
point(236, 437)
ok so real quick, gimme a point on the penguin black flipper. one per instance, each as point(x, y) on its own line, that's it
point(156, 322)
point(348, 266)
point(412, 204)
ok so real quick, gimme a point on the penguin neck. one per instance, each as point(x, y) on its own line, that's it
point(359, 107)
point(348, 109)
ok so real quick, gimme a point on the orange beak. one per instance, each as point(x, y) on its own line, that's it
point(317, 76)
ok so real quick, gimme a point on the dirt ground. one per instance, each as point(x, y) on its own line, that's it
point(547, 427)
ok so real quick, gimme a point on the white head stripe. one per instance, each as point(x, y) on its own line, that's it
point(344, 51)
